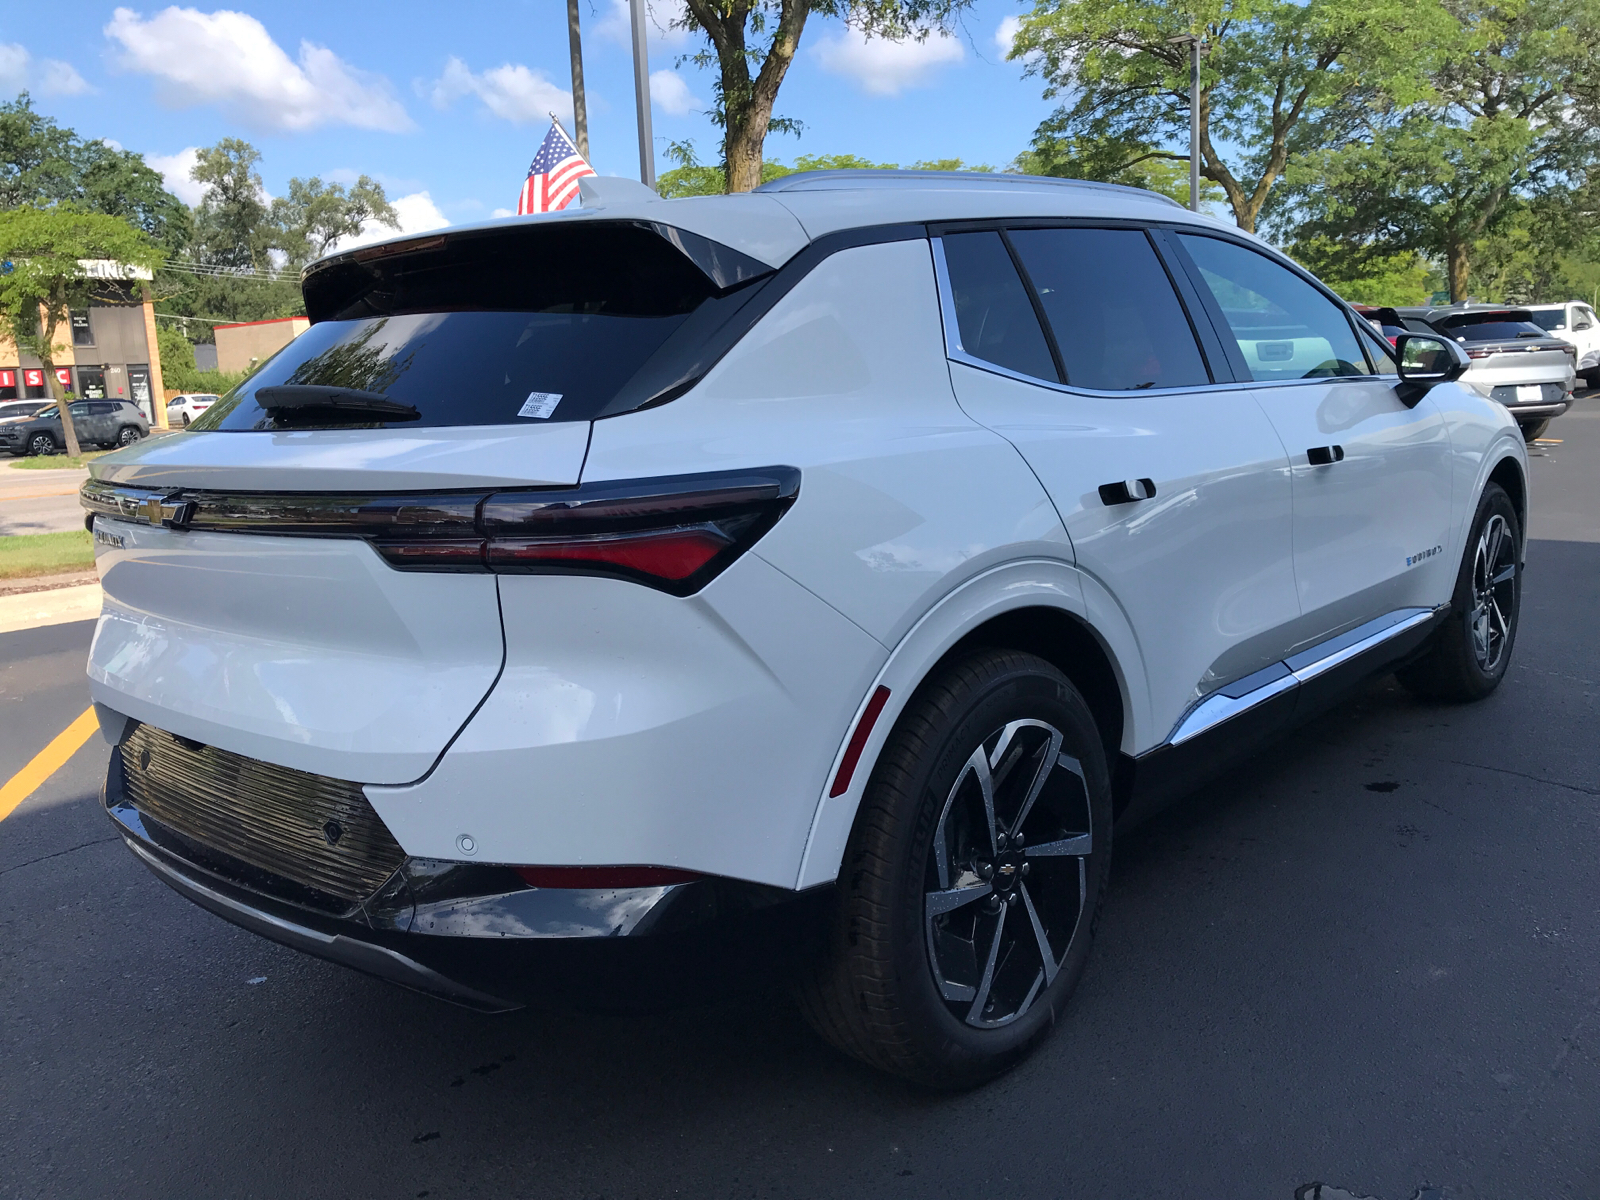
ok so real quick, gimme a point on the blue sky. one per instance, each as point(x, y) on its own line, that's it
point(445, 104)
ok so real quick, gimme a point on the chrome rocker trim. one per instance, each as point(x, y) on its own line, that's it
point(1242, 695)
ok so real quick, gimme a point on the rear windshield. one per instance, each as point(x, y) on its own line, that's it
point(1550, 318)
point(1493, 330)
point(522, 325)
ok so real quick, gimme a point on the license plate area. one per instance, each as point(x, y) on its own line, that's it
point(1529, 392)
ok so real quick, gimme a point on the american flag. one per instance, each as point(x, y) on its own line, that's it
point(553, 176)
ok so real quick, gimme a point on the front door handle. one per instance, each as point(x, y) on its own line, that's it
point(1126, 491)
point(1325, 456)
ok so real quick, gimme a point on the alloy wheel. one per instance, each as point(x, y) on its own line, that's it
point(1006, 883)
point(128, 436)
point(42, 444)
point(1494, 573)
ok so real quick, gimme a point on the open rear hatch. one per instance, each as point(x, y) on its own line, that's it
point(301, 577)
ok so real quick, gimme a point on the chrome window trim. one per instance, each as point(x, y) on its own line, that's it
point(1300, 668)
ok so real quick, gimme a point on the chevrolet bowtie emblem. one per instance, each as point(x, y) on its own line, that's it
point(155, 510)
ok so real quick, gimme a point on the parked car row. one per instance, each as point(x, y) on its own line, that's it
point(1527, 358)
point(96, 422)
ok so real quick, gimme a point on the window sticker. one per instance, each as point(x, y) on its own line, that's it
point(539, 405)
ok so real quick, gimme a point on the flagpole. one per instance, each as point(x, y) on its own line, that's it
point(580, 110)
point(641, 92)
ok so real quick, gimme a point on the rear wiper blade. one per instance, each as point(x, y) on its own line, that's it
point(285, 396)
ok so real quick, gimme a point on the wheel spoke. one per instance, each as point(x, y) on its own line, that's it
point(981, 997)
point(1045, 953)
point(1077, 846)
point(951, 899)
point(1505, 576)
point(1051, 758)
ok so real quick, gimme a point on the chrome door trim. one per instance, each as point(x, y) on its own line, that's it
point(1253, 690)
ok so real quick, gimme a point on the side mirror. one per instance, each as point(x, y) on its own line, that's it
point(1424, 360)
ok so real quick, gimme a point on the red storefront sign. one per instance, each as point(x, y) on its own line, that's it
point(8, 379)
point(33, 378)
point(64, 377)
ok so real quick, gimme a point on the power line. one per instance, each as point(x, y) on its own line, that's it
point(233, 272)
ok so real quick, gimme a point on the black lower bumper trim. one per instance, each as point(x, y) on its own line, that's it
point(379, 961)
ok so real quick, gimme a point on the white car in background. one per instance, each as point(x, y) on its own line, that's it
point(1573, 322)
point(866, 546)
point(184, 409)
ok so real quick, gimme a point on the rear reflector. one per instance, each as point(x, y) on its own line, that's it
point(858, 742)
point(604, 877)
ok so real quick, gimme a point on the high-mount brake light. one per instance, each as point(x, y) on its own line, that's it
point(675, 533)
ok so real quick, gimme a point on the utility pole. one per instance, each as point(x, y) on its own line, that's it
point(641, 92)
point(580, 110)
point(1197, 47)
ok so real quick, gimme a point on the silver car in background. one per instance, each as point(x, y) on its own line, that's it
point(1514, 360)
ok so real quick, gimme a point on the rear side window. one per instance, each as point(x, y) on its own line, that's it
point(1115, 316)
point(1550, 318)
point(535, 323)
point(1286, 329)
point(997, 320)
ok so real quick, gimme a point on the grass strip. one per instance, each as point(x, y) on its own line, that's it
point(55, 462)
point(28, 554)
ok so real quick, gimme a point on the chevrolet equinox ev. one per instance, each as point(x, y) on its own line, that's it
point(880, 542)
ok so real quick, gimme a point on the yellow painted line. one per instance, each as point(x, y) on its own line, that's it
point(47, 762)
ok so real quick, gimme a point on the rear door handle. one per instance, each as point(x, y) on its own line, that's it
point(1324, 456)
point(1126, 491)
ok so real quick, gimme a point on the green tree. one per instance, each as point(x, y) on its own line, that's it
point(1281, 77)
point(690, 178)
point(45, 247)
point(44, 165)
point(764, 35)
point(231, 223)
point(1405, 277)
point(315, 215)
point(1512, 120)
point(1064, 157)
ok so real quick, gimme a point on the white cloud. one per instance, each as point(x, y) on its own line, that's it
point(175, 170)
point(62, 79)
point(510, 91)
point(229, 59)
point(617, 25)
point(886, 68)
point(54, 77)
point(504, 212)
point(671, 94)
point(417, 212)
point(1005, 34)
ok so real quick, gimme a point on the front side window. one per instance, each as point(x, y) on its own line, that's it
point(996, 319)
point(1115, 316)
point(1584, 318)
point(1286, 329)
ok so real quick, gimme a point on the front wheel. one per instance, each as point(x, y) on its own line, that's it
point(973, 878)
point(1468, 655)
point(186, 420)
point(41, 444)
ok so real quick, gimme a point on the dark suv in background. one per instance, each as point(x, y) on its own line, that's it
point(98, 423)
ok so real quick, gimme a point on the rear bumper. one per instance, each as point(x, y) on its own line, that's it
point(453, 931)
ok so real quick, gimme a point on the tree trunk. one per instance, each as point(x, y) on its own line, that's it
point(746, 103)
point(1458, 269)
point(60, 397)
point(743, 151)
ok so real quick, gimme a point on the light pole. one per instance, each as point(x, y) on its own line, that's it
point(641, 92)
point(1197, 47)
point(580, 110)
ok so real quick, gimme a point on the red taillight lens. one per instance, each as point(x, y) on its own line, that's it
point(674, 554)
point(604, 877)
point(1479, 353)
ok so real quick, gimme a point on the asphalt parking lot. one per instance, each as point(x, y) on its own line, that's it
point(1370, 959)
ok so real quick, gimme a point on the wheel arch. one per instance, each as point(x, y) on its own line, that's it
point(1509, 475)
point(1034, 607)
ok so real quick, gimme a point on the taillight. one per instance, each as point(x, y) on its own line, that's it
point(604, 877)
point(1479, 353)
point(675, 533)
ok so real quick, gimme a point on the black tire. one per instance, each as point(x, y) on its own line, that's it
point(41, 444)
point(128, 435)
point(872, 990)
point(1591, 377)
point(186, 420)
point(1467, 656)
point(1534, 429)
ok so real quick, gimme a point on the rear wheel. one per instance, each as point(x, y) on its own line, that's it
point(41, 444)
point(129, 435)
point(970, 888)
point(1534, 429)
point(1468, 656)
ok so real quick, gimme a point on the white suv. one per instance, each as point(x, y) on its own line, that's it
point(877, 542)
point(1574, 322)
